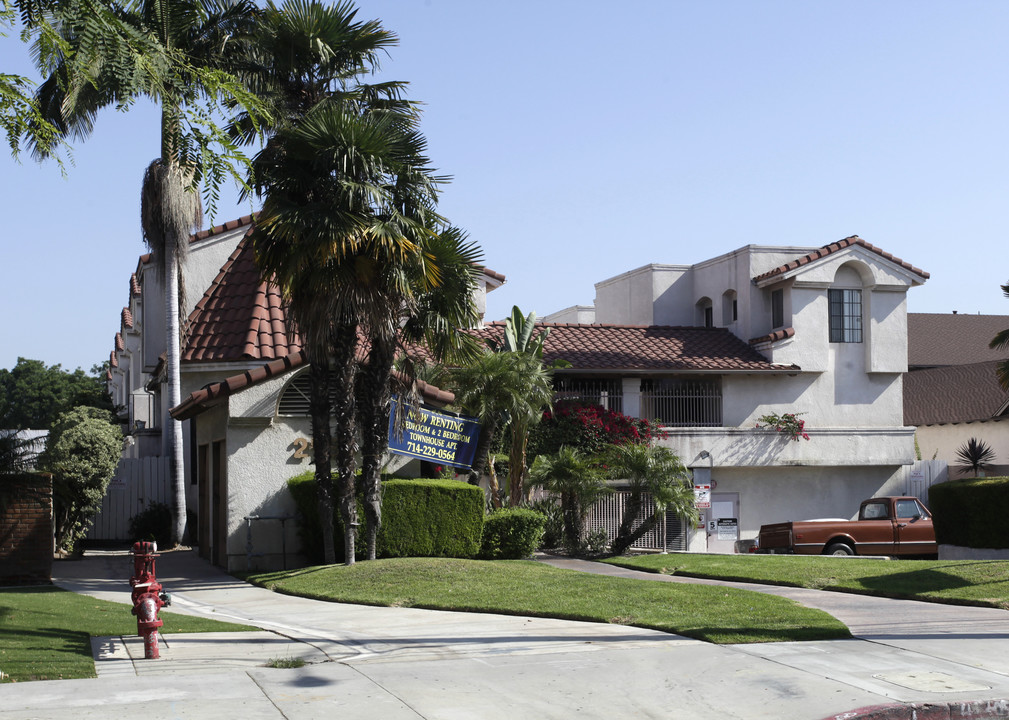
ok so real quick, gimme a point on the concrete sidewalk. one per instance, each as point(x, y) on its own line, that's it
point(396, 663)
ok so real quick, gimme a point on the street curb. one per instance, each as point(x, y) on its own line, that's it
point(972, 710)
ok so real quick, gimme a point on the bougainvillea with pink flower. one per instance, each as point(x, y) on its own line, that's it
point(588, 428)
point(786, 423)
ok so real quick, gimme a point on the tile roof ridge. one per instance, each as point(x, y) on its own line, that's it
point(126, 318)
point(223, 227)
point(833, 247)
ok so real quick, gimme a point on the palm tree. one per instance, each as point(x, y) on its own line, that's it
point(307, 63)
point(577, 480)
point(653, 469)
point(503, 389)
point(428, 301)
point(177, 53)
point(334, 239)
point(1001, 342)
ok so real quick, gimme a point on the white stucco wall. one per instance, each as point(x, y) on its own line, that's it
point(770, 495)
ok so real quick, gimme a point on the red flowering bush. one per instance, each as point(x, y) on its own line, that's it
point(588, 428)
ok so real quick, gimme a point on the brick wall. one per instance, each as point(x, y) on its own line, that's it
point(26, 534)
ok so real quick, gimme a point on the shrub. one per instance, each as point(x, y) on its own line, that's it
point(971, 512)
point(153, 523)
point(420, 518)
point(587, 428)
point(553, 529)
point(82, 452)
point(511, 534)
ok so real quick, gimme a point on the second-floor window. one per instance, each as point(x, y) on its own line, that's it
point(845, 315)
point(777, 308)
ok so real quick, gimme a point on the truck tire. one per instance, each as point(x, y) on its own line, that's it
point(839, 548)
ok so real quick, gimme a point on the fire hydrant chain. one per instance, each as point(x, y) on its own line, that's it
point(148, 598)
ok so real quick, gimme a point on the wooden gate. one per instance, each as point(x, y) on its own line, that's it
point(138, 483)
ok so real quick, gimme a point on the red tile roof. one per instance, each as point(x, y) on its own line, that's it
point(240, 317)
point(215, 393)
point(935, 339)
point(647, 348)
point(223, 227)
point(953, 394)
point(774, 336)
point(127, 318)
point(833, 248)
point(134, 284)
point(120, 345)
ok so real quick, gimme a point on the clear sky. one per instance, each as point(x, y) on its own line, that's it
point(588, 138)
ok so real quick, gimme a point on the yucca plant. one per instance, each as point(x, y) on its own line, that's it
point(975, 455)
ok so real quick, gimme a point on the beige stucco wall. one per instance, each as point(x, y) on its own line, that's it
point(943, 441)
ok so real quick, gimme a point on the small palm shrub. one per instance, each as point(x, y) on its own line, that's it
point(975, 456)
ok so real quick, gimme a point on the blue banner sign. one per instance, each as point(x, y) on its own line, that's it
point(435, 437)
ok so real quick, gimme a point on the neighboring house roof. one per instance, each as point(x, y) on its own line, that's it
point(935, 339)
point(646, 348)
point(953, 394)
point(833, 248)
point(215, 393)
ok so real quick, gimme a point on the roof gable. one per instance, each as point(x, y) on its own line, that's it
point(792, 268)
point(240, 316)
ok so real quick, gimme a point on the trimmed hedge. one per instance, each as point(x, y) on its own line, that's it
point(420, 518)
point(971, 512)
point(512, 534)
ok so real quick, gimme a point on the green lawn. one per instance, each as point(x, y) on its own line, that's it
point(961, 582)
point(45, 632)
point(516, 587)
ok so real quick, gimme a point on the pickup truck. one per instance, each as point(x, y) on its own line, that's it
point(885, 526)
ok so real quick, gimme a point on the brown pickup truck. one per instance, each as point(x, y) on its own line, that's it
point(885, 526)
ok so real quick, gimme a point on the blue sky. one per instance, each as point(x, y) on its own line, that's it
point(588, 138)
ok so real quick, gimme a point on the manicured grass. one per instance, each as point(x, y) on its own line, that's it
point(518, 587)
point(959, 582)
point(45, 632)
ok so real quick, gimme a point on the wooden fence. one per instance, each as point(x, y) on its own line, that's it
point(138, 482)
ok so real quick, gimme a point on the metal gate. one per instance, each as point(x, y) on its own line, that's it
point(609, 512)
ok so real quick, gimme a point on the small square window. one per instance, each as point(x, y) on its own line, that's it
point(845, 316)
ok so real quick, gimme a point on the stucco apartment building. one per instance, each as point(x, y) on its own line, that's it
point(245, 408)
point(710, 348)
point(707, 348)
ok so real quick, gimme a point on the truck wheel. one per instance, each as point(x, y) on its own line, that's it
point(839, 548)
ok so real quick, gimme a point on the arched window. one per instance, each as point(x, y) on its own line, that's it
point(730, 308)
point(705, 312)
point(844, 298)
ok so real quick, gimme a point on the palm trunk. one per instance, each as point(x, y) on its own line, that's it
point(322, 439)
point(517, 465)
point(625, 536)
point(374, 406)
point(345, 367)
point(175, 437)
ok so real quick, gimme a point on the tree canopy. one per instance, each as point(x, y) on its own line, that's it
point(33, 394)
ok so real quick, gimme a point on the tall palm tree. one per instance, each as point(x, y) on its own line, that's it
point(307, 63)
point(335, 240)
point(177, 53)
point(427, 302)
point(652, 469)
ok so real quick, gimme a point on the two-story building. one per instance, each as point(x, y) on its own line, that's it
point(710, 348)
point(245, 407)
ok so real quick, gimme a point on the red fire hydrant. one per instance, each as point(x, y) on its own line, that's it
point(147, 596)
